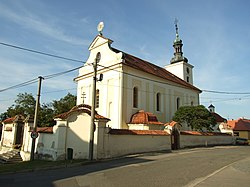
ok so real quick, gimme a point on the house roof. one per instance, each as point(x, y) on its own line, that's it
point(218, 117)
point(80, 108)
point(152, 69)
point(240, 124)
point(143, 117)
point(137, 132)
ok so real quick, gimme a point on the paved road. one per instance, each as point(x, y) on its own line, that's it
point(217, 166)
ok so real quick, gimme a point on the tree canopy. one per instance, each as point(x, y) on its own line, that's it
point(25, 105)
point(196, 117)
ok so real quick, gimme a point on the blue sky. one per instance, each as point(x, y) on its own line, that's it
point(216, 35)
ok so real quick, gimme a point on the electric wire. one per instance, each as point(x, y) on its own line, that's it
point(80, 61)
point(60, 73)
point(41, 53)
point(26, 83)
point(224, 92)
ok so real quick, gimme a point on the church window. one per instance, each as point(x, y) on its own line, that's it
point(158, 101)
point(187, 78)
point(97, 98)
point(177, 103)
point(135, 97)
point(192, 103)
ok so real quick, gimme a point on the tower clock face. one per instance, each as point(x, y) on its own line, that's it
point(188, 70)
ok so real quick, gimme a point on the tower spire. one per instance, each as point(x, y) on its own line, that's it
point(176, 28)
point(178, 54)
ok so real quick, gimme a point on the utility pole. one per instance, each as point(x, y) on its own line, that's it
point(34, 131)
point(92, 123)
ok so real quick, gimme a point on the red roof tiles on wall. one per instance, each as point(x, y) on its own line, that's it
point(17, 118)
point(137, 132)
point(80, 108)
point(45, 129)
point(203, 133)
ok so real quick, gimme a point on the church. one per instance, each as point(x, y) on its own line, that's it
point(127, 84)
point(134, 100)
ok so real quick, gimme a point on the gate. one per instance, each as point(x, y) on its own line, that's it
point(19, 134)
point(175, 139)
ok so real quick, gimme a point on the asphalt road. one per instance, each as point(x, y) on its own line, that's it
point(216, 166)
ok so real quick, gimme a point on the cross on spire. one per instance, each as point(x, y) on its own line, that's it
point(176, 26)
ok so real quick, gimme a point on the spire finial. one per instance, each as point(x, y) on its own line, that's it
point(176, 26)
point(100, 27)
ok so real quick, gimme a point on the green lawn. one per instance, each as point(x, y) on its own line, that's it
point(37, 164)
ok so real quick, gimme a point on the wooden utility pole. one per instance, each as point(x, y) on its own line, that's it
point(92, 123)
point(34, 131)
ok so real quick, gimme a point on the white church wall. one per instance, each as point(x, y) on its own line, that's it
point(148, 87)
point(109, 94)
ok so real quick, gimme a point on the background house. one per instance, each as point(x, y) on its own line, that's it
point(240, 127)
point(219, 119)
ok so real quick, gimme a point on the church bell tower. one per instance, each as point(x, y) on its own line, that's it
point(179, 65)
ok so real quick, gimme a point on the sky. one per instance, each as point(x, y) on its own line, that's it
point(215, 34)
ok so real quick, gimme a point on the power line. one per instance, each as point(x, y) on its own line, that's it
point(224, 92)
point(148, 79)
point(210, 91)
point(60, 73)
point(59, 90)
point(20, 85)
point(41, 53)
point(35, 80)
point(80, 61)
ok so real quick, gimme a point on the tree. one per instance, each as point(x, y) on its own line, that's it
point(46, 115)
point(64, 104)
point(25, 105)
point(196, 117)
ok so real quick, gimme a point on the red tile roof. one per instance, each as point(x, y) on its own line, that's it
point(17, 118)
point(150, 68)
point(203, 133)
point(45, 129)
point(80, 108)
point(239, 124)
point(143, 117)
point(9, 120)
point(218, 118)
point(172, 123)
point(137, 132)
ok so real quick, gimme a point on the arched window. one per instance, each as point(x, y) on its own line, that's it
point(192, 103)
point(97, 98)
point(158, 102)
point(177, 103)
point(135, 97)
